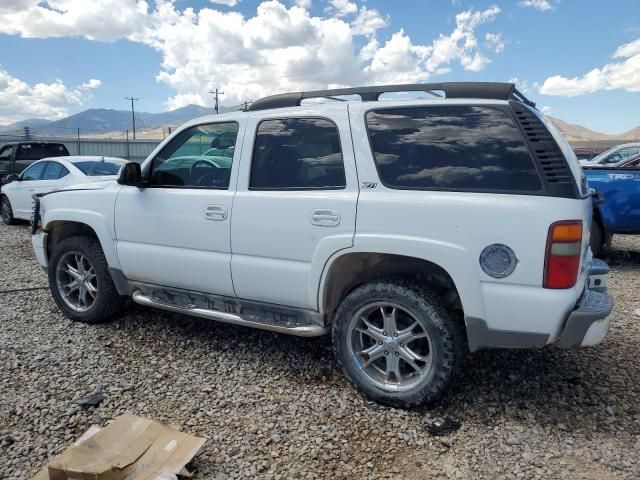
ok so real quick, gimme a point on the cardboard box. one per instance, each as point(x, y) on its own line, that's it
point(130, 447)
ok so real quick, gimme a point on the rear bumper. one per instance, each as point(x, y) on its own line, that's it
point(588, 323)
point(585, 322)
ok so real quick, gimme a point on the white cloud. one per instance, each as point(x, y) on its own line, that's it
point(19, 100)
point(342, 8)
point(228, 3)
point(521, 85)
point(105, 20)
point(494, 42)
point(624, 75)
point(279, 48)
point(91, 84)
point(368, 22)
point(542, 5)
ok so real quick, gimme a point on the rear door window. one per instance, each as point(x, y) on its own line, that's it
point(297, 154)
point(53, 171)
point(454, 147)
point(34, 172)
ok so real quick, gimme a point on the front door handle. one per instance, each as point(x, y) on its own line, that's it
point(216, 212)
point(325, 217)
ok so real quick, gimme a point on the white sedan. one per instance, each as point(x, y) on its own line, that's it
point(51, 174)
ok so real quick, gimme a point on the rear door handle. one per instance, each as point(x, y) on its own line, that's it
point(215, 212)
point(325, 217)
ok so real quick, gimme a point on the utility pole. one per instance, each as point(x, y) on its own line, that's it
point(133, 115)
point(216, 92)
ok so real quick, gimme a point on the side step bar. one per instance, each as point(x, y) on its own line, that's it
point(299, 330)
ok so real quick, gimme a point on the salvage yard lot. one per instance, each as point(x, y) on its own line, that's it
point(274, 406)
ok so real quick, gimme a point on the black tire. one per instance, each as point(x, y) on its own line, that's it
point(426, 307)
point(596, 241)
point(7, 211)
point(108, 302)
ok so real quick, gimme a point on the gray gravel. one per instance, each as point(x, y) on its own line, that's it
point(275, 406)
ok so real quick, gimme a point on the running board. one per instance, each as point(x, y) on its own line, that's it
point(270, 321)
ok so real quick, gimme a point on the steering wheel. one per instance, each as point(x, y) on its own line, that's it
point(192, 172)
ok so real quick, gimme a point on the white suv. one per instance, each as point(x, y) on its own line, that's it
point(411, 229)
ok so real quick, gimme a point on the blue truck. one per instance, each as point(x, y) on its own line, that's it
point(617, 209)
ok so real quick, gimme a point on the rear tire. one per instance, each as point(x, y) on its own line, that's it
point(596, 241)
point(6, 210)
point(80, 281)
point(407, 351)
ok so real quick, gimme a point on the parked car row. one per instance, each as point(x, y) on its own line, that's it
point(475, 227)
point(50, 174)
point(614, 157)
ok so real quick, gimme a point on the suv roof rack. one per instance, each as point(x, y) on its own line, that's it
point(485, 90)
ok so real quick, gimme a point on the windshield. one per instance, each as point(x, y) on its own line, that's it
point(97, 168)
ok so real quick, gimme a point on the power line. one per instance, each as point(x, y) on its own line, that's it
point(133, 115)
point(216, 92)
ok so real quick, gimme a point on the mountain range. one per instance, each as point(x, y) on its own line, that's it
point(575, 132)
point(103, 122)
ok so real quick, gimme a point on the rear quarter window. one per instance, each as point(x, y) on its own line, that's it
point(455, 147)
point(98, 168)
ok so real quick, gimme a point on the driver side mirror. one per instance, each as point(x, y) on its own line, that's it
point(131, 175)
point(12, 177)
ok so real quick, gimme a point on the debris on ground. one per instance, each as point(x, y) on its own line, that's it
point(443, 426)
point(92, 400)
point(129, 447)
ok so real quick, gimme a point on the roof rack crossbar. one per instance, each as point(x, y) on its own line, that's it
point(484, 90)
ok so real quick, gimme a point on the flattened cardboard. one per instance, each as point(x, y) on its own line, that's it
point(130, 447)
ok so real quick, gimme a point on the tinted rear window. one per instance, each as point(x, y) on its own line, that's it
point(451, 148)
point(99, 168)
point(297, 153)
point(36, 151)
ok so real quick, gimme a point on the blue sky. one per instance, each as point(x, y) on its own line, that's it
point(61, 59)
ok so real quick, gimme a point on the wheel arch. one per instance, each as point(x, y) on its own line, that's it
point(349, 270)
point(61, 229)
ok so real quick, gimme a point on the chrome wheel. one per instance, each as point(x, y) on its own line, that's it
point(77, 281)
point(390, 346)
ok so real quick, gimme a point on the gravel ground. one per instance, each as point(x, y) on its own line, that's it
point(275, 406)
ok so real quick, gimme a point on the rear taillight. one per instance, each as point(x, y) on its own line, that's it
point(562, 260)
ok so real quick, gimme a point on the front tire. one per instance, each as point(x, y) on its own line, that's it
point(396, 343)
point(80, 281)
point(7, 211)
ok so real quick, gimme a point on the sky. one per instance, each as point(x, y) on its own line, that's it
point(578, 60)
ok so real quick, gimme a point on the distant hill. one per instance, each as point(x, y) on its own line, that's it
point(578, 133)
point(19, 126)
point(103, 120)
point(633, 134)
